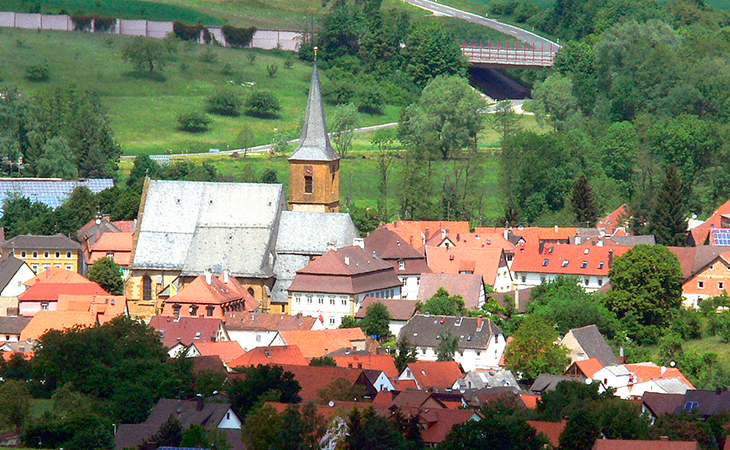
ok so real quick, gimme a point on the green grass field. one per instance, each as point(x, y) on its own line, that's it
point(142, 110)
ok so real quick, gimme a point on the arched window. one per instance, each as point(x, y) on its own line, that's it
point(146, 288)
point(250, 291)
point(210, 309)
point(193, 310)
point(176, 310)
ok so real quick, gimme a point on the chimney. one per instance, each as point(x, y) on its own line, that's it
point(199, 402)
point(458, 237)
point(360, 242)
point(542, 246)
point(331, 246)
point(226, 274)
point(479, 323)
point(443, 233)
point(610, 258)
point(506, 234)
point(347, 260)
point(395, 224)
point(208, 277)
point(663, 370)
point(556, 228)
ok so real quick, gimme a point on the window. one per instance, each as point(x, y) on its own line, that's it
point(584, 264)
point(309, 299)
point(258, 338)
point(58, 254)
point(35, 254)
point(147, 289)
point(524, 278)
point(46, 266)
point(209, 310)
point(308, 184)
point(332, 320)
point(298, 299)
point(193, 310)
point(344, 302)
point(401, 265)
point(545, 262)
point(35, 268)
point(23, 254)
point(701, 284)
point(565, 263)
point(197, 335)
point(332, 301)
point(721, 285)
point(69, 267)
point(68, 254)
point(250, 291)
point(600, 282)
point(46, 254)
point(321, 300)
point(44, 306)
point(712, 267)
point(600, 265)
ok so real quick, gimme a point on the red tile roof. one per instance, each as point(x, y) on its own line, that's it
point(439, 423)
point(401, 310)
point(700, 233)
point(649, 371)
point(470, 287)
point(106, 307)
point(269, 322)
point(551, 430)
point(481, 261)
point(56, 320)
point(589, 366)
point(216, 293)
point(316, 343)
point(384, 363)
point(530, 400)
point(618, 444)
point(279, 354)
point(615, 219)
point(476, 240)
point(566, 259)
point(185, 329)
point(313, 379)
point(50, 291)
point(435, 374)
point(226, 350)
point(388, 244)
point(57, 275)
point(414, 232)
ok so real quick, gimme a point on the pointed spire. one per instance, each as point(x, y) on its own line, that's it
point(314, 143)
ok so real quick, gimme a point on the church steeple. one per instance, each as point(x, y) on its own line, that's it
point(314, 143)
point(314, 167)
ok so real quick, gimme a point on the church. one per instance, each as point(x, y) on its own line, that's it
point(186, 229)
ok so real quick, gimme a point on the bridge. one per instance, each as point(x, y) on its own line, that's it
point(506, 54)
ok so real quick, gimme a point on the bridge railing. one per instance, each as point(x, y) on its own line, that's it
point(509, 53)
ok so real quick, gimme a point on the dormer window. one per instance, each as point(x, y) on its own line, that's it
point(565, 263)
point(584, 264)
point(197, 335)
point(545, 262)
point(401, 265)
point(600, 265)
point(193, 310)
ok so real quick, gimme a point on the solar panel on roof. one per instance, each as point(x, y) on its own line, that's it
point(721, 236)
point(50, 192)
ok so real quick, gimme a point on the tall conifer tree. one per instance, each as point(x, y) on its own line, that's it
point(584, 203)
point(668, 221)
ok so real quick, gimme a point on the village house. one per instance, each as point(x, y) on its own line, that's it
point(408, 262)
point(335, 284)
point(43, 252)
point(256, 329)
point(490, 263)
point(13, 274)
point(102, 238)
point(353, 359)
point(215, 229)
point(44, 295)
point(633, 380)
point(536, 264)
point(275, 354)
point(480, 379)
point(705, 272)
point(418, 233)
point(480, 239)
point(227, 351)
point(210, 296)
point(11, 327)
point(432, 374)
point(470, 287)
point(713, 231)
point(209, 415)
point(178, 334)
point(481, 342)
point(318, 343)
point(400, 311)
point(587, 342)
point(655, 404)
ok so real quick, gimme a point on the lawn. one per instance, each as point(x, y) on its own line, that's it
point(143, 110)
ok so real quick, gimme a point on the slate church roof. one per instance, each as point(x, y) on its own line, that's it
point(314, 143)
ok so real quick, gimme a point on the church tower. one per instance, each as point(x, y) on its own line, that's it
point(314, 168)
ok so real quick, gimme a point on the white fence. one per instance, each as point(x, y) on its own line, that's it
point(263, 39)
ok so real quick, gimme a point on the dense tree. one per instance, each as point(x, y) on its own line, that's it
point(404, 354)
point(107, 274)
point(342, 123)
point(443, 304)
point(169, 434)
point(143, 167)
point(370, 431)
point(554, 102)
point(321, 361)
point(147, 53)
point(77, 211)
point(504, 119)
point(14, 404)
point(56, 160)
point(498, 432)
point(668, 220)
point(269, 382)
point(447, 347)
point(568, 398)
point(446, 118)
point(646, 282)
point(584, 203)
point(377, 320)
point(341, 390)
point(21, 216)
point(260, 427)
point(431, 51)
point(581, 431)
point(299, 430)
point(383, 142)
point(534, 351)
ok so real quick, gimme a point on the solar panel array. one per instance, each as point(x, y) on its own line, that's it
point(721, 236)
point(51, 192)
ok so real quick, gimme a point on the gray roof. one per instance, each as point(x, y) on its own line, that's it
point(314, 143)
point(706, 403)
point(469, 286)
point(490, 379)
point(595, 346)
point(8, 268)
point(423, 331)
point(545, 382)
point(30, 241)
point(310, 233)
point(13, 325)
point(51, 191)
point(285, 269)
point(192, 226)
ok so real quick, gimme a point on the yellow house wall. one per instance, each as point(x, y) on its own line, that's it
point(325, 196)
point(38, 263)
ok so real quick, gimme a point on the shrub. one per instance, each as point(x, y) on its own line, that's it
point(370, 101)
point(208, 56)
point(81, 22)
point(186, 32)
point(262, 104)
point(193, 122)
point(104, 24)
point(224, 103)
point(238, 37)
point(251, 58)
point(288, 63)
point(227, 69)
point(37, 72)
point(306, 52)
point(271, 69)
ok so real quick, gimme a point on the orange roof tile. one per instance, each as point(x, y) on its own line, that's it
point(614, 219)
point(57, 275)
point(649, 371)
point(113, 242)
point(435, 374)
point(316, 343)
point(479, 240)
point(530, 400)
point(56, 320)
point(481, 261)
point(384, 363)
point(279, 354)
point(415, 232)
point(50, 291)
point(106, 307)
point(589, 366)
point(439, 422)
point(566, 259)
point(8, 355)
point(551, 430)
point(226, 350)
point(403, 385)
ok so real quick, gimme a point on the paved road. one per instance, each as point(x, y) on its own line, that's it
point(510, 30)
point(260, 148)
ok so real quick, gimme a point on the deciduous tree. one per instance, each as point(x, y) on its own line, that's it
point(443, 304)
point(534, 351)
point(107, 274)
point(376, 322)
point(147, 53)
point(14, 404)
point(343, 122)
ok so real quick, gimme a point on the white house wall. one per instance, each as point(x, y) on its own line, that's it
point(250, 339)
point(15, 286)
point(470, 359)
point(230, 421)
point(411, 284)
